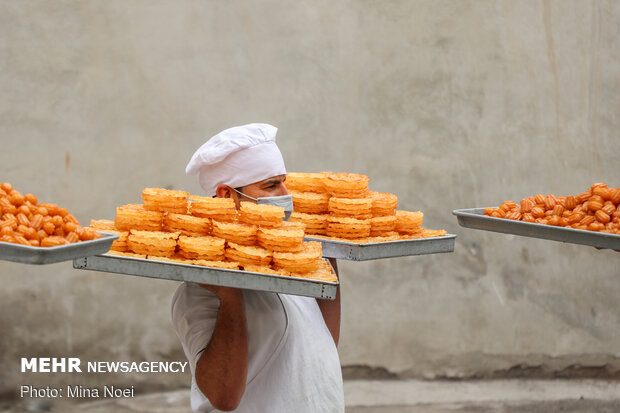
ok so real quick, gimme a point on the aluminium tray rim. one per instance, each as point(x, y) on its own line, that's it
point(284, 277)
point(389, 249)
point(542, 231)
point(378, 244)
point(283, 284)
point(26, 254)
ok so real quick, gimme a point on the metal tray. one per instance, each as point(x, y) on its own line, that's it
point(390, 249)
point(213, 276)
point(475, 218)
point(49, 255)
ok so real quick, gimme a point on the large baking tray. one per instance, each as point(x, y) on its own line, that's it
point(213, 276)
point(475, 218)
point(390, 249)
point(49, 255)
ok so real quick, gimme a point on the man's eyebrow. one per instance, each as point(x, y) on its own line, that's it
point(271, 182)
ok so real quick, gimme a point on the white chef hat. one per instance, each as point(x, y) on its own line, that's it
point(237, 157)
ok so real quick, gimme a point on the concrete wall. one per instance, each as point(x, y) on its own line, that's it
point(449, 104)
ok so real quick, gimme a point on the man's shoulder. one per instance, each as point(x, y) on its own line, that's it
point(189, 293)
point(184, 289)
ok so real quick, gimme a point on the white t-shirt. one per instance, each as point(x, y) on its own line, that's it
point(293, 363)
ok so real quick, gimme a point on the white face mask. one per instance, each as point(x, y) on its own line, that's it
point(282, 201)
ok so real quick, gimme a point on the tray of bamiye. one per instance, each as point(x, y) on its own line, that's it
point(356, 224)
point(43, 233)
point(589, 218)
point(174, 235)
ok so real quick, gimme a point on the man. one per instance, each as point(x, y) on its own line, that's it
point(253, 351)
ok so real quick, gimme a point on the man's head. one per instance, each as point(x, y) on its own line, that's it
point(269, 187)
point(242, 163)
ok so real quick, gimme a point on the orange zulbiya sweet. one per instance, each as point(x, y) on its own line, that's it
point(165, 200)
point(24, 221)
point(597, 209)
point(266, 215)
point(286, 238)
point(346, 185)
point(310, 202)
point(219, 209)
point(239, 233)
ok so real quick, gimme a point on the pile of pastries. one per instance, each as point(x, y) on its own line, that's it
point(339, 206)
point(597, 209)
point(23, 220)
point(174, 226)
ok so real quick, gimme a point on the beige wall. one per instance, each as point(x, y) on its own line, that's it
point(449, 104)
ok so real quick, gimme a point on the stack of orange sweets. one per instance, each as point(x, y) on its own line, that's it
point(25, 221)
point(174, 226)
point(339, 206)
point(597, 209)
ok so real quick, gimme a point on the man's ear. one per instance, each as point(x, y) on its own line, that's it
point(224, 191)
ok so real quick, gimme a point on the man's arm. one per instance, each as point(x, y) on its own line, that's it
point(222, 369)
point(331, 309)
